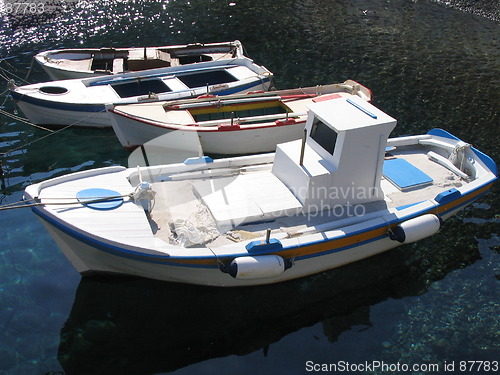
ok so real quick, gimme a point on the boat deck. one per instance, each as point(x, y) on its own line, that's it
point(242, 204)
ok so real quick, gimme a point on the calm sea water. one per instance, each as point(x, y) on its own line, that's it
point(435, 303)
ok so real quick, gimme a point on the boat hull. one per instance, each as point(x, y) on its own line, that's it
point(89, 260)
point(84, 63)
point(146, 233)
point(56, 74)
point(252, 129)
point(92, 255)
point(223, 141)
point(93, 115)
point(81, 103)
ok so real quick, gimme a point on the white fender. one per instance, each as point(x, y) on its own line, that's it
point(256, 267)
point(416, 229)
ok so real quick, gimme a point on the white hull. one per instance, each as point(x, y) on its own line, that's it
point(92, 62)
point(252, 132)
point(81, 102)
point(91, 115)
point(57, 117)
point(57, 74)
point(132, 134)
point(89, 260)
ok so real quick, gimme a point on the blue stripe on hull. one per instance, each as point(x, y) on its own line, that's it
point(163, 259)
point(95, 107)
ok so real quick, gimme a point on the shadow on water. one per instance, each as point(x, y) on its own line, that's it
point(137, 326)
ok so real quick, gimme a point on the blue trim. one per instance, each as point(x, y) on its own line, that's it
point(364, 110)
point(467, 201)
point(448, 196)
point(166, 73)
point(400, 208)
point(92, 108)
point(263, 246)
point(238, 89)
point(57, 105)
point(442, 133)
point(116, 250)
point(488, 161)
point(199, 160)
point(162, 259)
point(344, 248)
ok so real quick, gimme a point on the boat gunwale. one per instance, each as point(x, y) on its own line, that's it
point(97, 107)
point(194, 127)
point(43, 57)
point(124, 250)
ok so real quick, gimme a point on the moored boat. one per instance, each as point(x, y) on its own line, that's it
point(72, 63)
point(228, 125)
point(343, 193)
point(81, 102)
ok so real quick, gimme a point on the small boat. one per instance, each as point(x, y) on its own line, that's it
point(344, 192)
point(72, 63)
point(81, 102)
point(228, 125)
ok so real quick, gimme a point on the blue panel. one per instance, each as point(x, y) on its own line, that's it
point(364, 110)
point(198, 160)
point(489, 162)
point(399, 208)
point(404, 175)
point(448, 196)
point(442, 133)
point(261, 246)
point(88, 197)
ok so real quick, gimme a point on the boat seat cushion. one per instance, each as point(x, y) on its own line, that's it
point(404, 175)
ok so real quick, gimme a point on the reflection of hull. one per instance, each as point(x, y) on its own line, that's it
point(139, 326)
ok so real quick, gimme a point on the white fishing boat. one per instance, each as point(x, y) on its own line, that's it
point(72, 63)
point(228, 125)
point(81, 102)
point(343, 193)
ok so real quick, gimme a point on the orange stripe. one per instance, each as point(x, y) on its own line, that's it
point(331, 245)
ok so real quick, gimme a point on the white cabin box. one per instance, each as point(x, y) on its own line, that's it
point(343, 155)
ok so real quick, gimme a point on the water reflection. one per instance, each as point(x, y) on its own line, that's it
point(139, 326)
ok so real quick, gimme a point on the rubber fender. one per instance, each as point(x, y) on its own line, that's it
point(256, 267)
point(416, 229)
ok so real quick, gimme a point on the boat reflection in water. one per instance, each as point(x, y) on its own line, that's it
point(137, 326)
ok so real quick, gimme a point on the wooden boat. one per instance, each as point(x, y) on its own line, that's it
point(72, 63)
point(81, 102)
point(330, 199)
point(229, 125)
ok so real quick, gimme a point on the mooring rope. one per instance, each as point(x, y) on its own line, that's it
point(35, 203)
point(22, 119)
point(52, 132)
point(5, 73)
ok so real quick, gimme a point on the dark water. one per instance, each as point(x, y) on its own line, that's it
point(428, 63)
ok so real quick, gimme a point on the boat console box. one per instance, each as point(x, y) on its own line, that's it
point(342, 158)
